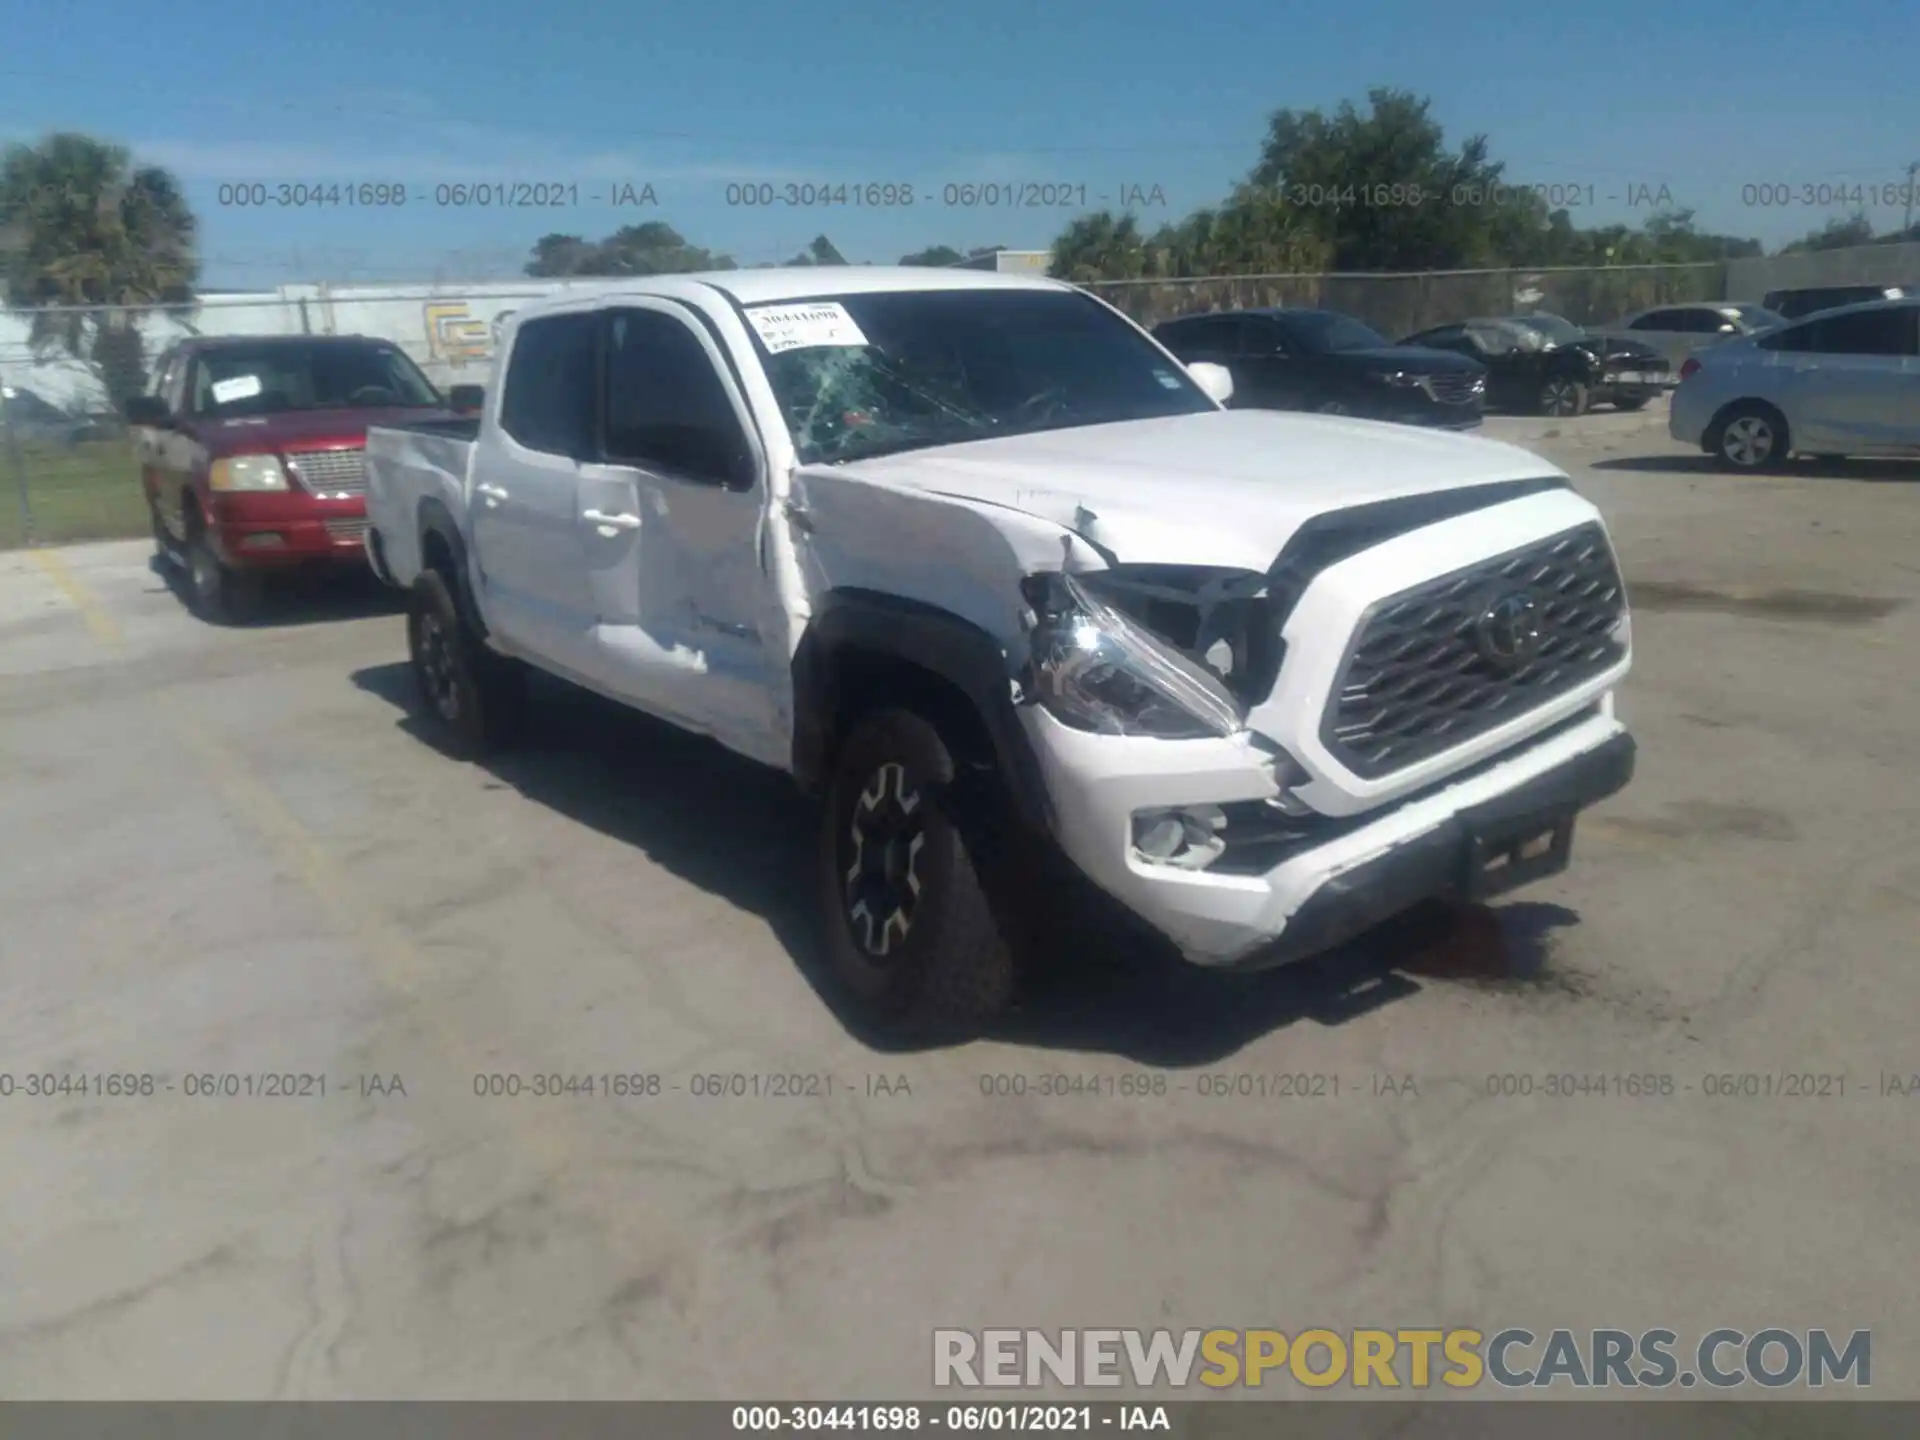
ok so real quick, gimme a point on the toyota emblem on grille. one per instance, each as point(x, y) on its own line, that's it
point(1508, 632)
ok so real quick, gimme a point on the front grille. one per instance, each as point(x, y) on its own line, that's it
point(331, 472)
point(1451, 389)
point(351, 529)
point(1424, 672)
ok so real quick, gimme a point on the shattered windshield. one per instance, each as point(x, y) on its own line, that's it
point(876, 374)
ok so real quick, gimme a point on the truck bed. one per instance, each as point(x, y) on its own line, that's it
point(408, 465)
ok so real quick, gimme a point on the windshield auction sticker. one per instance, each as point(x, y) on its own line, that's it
point(240, 387)
point(801, 327)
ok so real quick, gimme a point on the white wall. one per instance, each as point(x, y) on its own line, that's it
point(449, 330)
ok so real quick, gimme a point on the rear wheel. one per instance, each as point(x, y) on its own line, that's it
point(1749, 437)
point(472, 700)
point(906, 924)
point(1637, 402)
point(1562, 397)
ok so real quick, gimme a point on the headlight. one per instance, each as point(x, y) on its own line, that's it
point(247, 472)
point(1095, 669)
point(1398, 378)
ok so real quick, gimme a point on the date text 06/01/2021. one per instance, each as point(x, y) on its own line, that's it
point(960, 195)
point(448, 195)
point(819, 1419)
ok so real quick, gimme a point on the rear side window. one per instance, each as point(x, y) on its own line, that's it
point(1864, 332)
point(547, 401)
point(1214, 334)
point(1659, 320)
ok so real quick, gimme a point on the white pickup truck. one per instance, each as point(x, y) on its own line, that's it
point(980, 564)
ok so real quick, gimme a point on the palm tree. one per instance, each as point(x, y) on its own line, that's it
point(81, 225)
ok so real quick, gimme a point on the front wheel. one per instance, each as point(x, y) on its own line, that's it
point(1561, 397)
point(472, 700)
point(907, 927)
point(217, 592)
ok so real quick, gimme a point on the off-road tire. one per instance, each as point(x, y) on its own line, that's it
point(946, 972)
point(1734, 439)
point(216, 592)
point(472, 701)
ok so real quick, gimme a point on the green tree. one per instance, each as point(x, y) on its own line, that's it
point(654, 248)
point(82, 225)
point(1382, 189)
point(1836, 234)
point(934, 255)
point(820, 252)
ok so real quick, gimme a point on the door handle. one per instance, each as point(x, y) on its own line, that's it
point(610, 523)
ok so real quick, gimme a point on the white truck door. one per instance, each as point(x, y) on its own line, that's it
point(672, 517)
point(523, 510)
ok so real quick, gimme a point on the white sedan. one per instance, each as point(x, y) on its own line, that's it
point(1843, 382)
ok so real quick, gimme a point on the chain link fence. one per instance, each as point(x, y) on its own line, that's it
point(1401, 305)
point(70, 468)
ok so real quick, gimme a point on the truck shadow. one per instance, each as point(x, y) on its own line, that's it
point(1107, 983)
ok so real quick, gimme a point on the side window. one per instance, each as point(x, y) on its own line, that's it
point(547, 399)
point(1262, 337)
point(1658, 320)
point(1176, 335)
point(1865, 332)
point(666, 406)
point(1206, 335)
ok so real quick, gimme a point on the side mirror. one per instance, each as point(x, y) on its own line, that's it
point(1216, 380)
point(148, 410)
point(1729, 329)
point(467, 397)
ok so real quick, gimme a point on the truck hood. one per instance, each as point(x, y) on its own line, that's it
point(1224, 488)
point(303, 429)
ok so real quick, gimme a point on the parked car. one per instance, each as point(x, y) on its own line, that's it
point(251, 453)
point(999, 581)
point(1544, 365)
point(1810, 300)
point(1841, 382)
point(1331, 363)
point(32, 419)
point(1677, 331)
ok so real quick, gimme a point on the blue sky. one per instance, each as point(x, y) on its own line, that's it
point(1699, 96)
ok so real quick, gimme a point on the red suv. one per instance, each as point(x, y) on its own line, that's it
point(252, 453)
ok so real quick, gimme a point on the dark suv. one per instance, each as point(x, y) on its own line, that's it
point(1794, 304)
point(1325, 361)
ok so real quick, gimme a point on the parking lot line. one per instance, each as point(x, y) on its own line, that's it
point(543, 1135)
point(98, 618)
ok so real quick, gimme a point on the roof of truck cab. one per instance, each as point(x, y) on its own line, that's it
point(796, 282)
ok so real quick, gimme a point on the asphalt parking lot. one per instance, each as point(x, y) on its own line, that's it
point(225, 853)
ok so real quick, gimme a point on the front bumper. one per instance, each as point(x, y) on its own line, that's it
point(269, 531)
point(1370, 867)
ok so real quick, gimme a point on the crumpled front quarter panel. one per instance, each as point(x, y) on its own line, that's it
point(956, 555)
